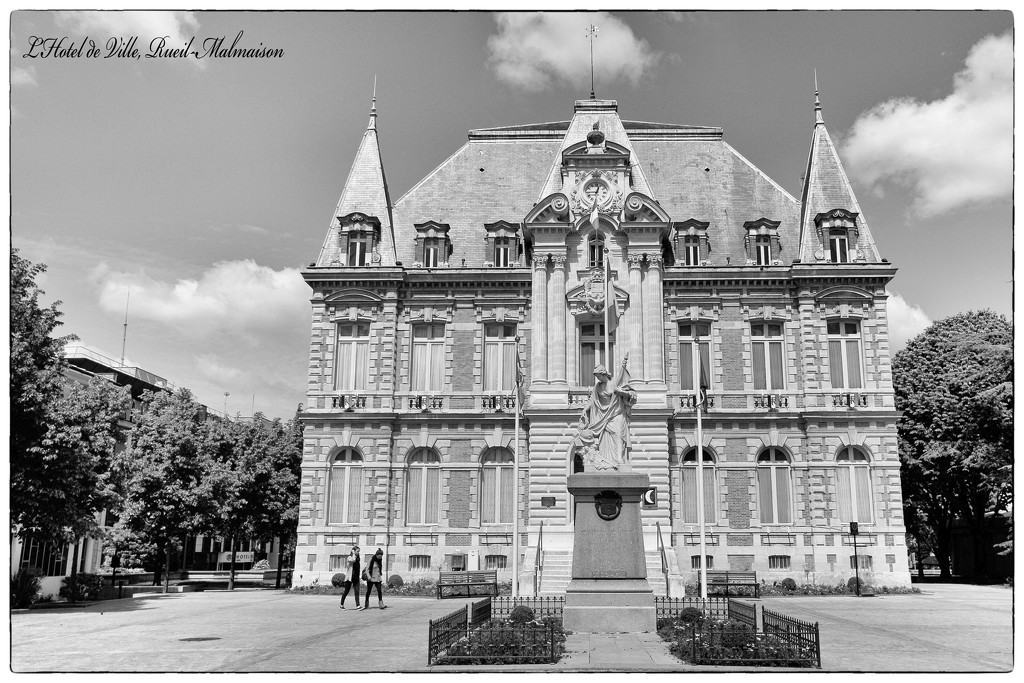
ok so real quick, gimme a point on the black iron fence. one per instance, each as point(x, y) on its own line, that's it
point(800, 635)
point(480, 613)
point(445, 632)
point(502, 606)
point(744, 612)
point(504, 643)
point(670, 608)
point(745, 646)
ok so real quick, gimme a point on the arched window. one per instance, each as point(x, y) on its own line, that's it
point(595, 250)
point(774, 487)
point(497, 487)
point(423, 487)
point(853, 485)
point(688, 486)
point(345, 486)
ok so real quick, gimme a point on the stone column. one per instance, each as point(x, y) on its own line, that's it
point(636, 317)
point(654, 323)
point(539, 318)
point(556, 314)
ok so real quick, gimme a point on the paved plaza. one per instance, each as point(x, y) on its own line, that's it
point(946, 628)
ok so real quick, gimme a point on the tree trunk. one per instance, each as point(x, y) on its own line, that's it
point(942, 551)
point(280, 561)
point(231, 568)
point(167, 568)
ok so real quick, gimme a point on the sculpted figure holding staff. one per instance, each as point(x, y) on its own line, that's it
point(603, 438)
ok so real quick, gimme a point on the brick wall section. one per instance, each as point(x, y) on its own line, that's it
point(456, 539)
point(738, 500)
point(463, 348)
point(458, 499)
point(461, 450)
point(741, 563)
point(739, 539)
point(732, 359)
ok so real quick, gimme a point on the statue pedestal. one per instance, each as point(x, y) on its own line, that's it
point(608, 592)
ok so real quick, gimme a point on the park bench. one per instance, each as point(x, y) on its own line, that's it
point(460, 583)
point(218, 577)
point(732, 579)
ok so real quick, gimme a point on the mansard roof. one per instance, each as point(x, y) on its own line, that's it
point(826, 188)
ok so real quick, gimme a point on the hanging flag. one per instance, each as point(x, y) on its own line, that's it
point(703, 380)
point(520, 380)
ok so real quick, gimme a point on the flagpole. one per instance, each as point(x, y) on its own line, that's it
point(609, 299)
point(515, 478)
point(700, 472)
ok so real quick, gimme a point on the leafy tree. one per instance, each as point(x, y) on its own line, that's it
point(37, 366)
point(77, 449)
point(954, 388)
point(166, 475)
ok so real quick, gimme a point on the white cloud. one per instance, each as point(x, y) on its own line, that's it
point(952, 153)
point(177, 26)
point(906, 321)
point(233, 297)
point(537, 50)
point(21, 76)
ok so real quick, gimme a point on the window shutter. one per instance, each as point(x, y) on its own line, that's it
point(782, 490)
point(507, 494)
point(690, 495)
point(433, 495)
point(686, 366)
point(843, 493)
point(487, 491)
point(764, 489)
point(336, 504)
point(759, 374)
point(414, 488)
point(835, 363)
point(853, 359)
point(776, 352)
point(709, 495)
point(355, 488)
point(863, 481)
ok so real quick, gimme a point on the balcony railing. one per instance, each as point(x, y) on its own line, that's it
point(849, 400)
point(348, 402)
point(499, 404)
point(771, 401)
point(689, 402)
point(426, 403)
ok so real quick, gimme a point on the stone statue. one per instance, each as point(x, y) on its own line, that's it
point(603, 439)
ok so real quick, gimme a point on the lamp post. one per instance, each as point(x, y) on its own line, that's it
point(856, 562)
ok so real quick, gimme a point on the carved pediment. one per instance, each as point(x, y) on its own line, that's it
point(848, 293)
point(358, 222)
point(552, 209)
point(353, 295)
point(432, 229)
point(641, 208)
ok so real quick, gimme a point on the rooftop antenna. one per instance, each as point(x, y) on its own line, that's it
point(124, 336)
point(592, 33)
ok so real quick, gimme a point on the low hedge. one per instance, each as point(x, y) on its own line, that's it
point(81, 587)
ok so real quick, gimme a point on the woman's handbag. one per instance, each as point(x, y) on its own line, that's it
point(366, 576)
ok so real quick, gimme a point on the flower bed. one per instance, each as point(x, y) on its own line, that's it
point(729, 642)
point(520, 639)
point(777, 588)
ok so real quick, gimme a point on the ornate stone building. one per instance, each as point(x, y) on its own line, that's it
point(421, 306)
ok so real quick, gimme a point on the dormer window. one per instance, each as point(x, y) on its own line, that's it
point(838, 234)
point(359, 245)
point(838, 246)
point(762, 242)
point(433, 248)
point(502, 244)
point(763, 251)
point(691, 242)
point(358, 237)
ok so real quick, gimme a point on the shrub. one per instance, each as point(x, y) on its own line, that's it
point(691, 615)
point(262, 565)
point(338, 580)
point(25, 587)
point(852, 583)
point(395, 581)
point(521, 614)
point(789, 584)
point(81, 587)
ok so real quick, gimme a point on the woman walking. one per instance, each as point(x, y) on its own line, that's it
point(352, 576)
point(374, 575)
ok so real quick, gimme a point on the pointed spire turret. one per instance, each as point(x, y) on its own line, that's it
point(365, 192)
point(826, 189)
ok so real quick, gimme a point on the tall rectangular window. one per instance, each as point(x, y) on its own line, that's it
point(502, 252)
point(358, 248)
point(769, 355)
point(499, 357)
point(428, 357)
point(763, 251)
point(432, 256)
point(694, 348)
point(689, 492)
point(709, 562)
point(838, 247)
point(424, 495)
point(844, 354)
point(351, 356)
point(592, 352)
point(691, 251)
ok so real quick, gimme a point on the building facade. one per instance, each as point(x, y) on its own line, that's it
point(560, 246)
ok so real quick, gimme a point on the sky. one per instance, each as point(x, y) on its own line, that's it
point(205, 185)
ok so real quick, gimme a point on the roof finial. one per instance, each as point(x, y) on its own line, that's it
point(373, 106)
point(817, 102)
point(592, 33)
